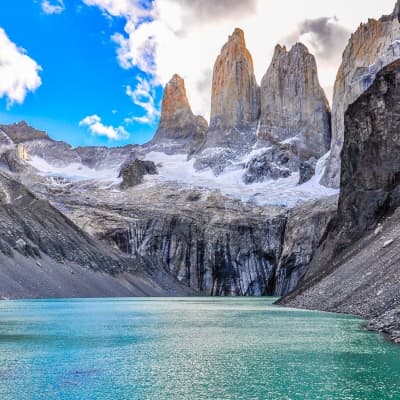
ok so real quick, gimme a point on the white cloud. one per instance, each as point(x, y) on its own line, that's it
point(185, 36)
point(143, 96)
point(56, 7)
point(19, 74)
point(97, 128)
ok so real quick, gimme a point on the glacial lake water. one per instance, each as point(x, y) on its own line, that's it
point(189, 349)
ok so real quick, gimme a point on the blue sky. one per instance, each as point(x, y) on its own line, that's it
point(80, 73)
point(92, 71)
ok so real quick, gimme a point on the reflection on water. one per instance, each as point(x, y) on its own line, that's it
point(224, 348)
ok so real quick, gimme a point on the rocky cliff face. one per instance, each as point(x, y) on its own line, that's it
point(373, 46)
point(44, 254)
point(293, 104)
point(212, 244)
point(356, 270)
point(22, 132)
point(214, 234)
point(177, 122)
point(235, 101)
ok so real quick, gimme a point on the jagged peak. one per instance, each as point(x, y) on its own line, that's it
point(176, 80)
point(237, 39)
point(299, 46)
point(175, 96)
point(279, 49)
point(298, 49)
point(396, 10)
point(237, 35)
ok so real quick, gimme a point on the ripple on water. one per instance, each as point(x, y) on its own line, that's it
point(194, 348)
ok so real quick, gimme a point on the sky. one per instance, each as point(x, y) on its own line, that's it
point(91, 72)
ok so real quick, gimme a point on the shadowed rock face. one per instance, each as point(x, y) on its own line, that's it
point(44, 254)
point(356, 270)
point(132, 172)
point(203, 239)
point(235, 103)
point(373, 46)
point(293, 104)
point(178, 123)
point(370, 170)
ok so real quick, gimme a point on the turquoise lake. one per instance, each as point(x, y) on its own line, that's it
point(189, 349)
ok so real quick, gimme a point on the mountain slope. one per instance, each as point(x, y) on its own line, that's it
point(357, 267)
point(42, 253)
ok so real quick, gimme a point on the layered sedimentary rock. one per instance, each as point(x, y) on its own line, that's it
point(355, 269)
point(293, 104)
point(374, 45)
point(235, 101)
point(177, 122)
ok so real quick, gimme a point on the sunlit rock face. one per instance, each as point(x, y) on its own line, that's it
point(235, 101)
point(293, 104)
point(177, 122)
point(373, 46)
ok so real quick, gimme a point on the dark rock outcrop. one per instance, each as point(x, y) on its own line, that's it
point(276, 162)
point(374, 45)
point(305, 228)
point(355, 269)
point(293, 104)
point(307, 170)
point(132, 172)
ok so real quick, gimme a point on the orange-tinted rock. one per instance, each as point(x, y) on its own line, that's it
point(177, 120)
point(235, 94)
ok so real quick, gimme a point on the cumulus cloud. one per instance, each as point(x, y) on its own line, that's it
point(143, 96)
point(55, 7)
point(163, 37)
point(97, 128)
point(19, 74)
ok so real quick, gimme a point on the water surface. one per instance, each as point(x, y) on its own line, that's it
point(189, 349)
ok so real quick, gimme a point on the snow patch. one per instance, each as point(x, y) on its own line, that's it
point(284, 192)
point(74, 172)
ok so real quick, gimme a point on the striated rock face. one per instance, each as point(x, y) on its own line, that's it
point(44, 254)
point(370, 177)
point(211, 243)
point(132, 172)
point(304, 230)
point(13, 159)
point(178, 123)
point(235, 104)
point(355, 269)
point(373, 46)
point(293, 104)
